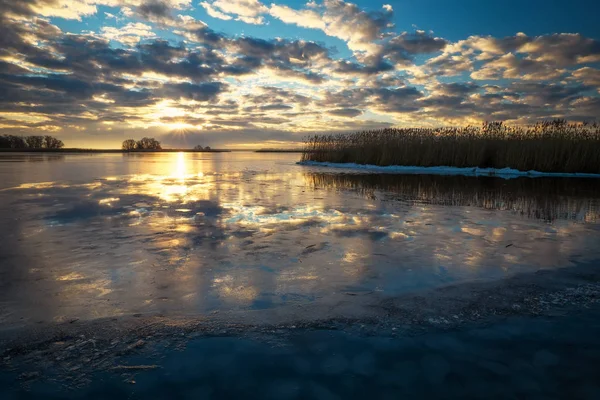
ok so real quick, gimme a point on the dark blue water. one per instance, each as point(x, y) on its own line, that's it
point(519, 358)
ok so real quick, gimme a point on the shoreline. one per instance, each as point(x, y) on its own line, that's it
point(506, 173)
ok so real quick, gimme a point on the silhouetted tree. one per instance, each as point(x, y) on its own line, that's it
point(207, 148)
point(128, 145)
point(53, 143)
point(30, 142)
point(198, 148)
point(148, 144)
point(12, 142)
point(34, 142)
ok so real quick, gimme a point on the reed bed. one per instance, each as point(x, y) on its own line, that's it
point(551, 146)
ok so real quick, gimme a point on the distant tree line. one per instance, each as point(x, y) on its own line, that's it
point(30, 142)
point(200, 148)
point(142, 144)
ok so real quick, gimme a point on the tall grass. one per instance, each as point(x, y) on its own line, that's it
point(553, 146)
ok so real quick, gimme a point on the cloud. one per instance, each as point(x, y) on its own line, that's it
point(345, 112)
point(306, 18)
point(448, 64)
point(563, 49)
point(245, 88)
point(589, 76)
point(154, 10)
point(558, 50)
point(384, 100)
point(373, 66)
point(404, 47)
point(510, 66)
point(346, 21)
point(76, 9)
point(72, 9)
point(399, 100)
point(544, 94)
point(518, 57)
point(248, 11)
point(584, 107)
point(130, 34)
point(213, 12)
point(190, 91)
point(457, 88)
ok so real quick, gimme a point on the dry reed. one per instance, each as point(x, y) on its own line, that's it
point(552, 146)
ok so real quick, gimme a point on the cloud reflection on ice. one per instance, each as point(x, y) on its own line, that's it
point(183, 237)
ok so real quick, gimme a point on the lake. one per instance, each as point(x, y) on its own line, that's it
point(255, 239)
point(112, 234)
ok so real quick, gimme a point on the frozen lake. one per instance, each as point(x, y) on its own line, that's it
point(173, 275)
point(104, 235)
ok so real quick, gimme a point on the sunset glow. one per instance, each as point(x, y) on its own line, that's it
point(252, 74)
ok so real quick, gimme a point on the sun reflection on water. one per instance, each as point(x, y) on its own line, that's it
point(175, 181)
point(178, 231)
point(181, 169)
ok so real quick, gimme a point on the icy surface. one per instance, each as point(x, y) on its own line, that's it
point(91, 236)
point(442, 170)
point(518, 358)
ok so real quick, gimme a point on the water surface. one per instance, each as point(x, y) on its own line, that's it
point(90, 236)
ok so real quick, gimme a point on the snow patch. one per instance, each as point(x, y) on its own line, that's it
point(505, 173)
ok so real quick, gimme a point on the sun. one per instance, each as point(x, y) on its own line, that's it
point(169, 115)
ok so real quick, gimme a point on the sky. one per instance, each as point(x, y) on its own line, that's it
point(261, 74)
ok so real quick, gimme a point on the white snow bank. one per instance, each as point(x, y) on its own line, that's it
point(506, 173)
